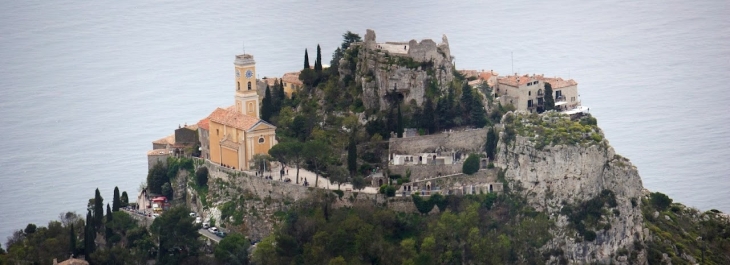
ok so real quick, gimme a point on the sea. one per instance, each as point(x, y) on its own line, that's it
point(85, 86)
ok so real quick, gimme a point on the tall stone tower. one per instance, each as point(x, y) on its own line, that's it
point(247, 99)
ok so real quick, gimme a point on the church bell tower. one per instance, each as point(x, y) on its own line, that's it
point(247, 98)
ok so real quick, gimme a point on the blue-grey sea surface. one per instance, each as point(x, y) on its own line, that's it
point(85, 86)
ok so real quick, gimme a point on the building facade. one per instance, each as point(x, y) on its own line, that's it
point(527, 92)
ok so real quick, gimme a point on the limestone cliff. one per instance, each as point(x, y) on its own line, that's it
point(403, 68)
point(555, 176)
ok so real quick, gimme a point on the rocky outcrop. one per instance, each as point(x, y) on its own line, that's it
point(403, 69)
point(553, 176)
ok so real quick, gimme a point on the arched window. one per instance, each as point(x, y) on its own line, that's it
point(238, 85)
point(249, 85)
point(261, 140)
point(217, 132)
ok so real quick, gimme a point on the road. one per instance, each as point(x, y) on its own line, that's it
point(209, 235)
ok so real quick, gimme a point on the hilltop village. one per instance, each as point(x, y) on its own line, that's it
point(230, 136)
point(389, 155)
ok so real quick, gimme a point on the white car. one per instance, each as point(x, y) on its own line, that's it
point(193, 215)
point(206, 225)
point(213, 229)
point(198, 220)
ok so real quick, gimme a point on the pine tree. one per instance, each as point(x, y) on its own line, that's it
point(266, 105)
point(124, 199)
point(318, 61)
point(116, 202)
point(306, 59)
point(352, 156)
point(549, 100)
point(98, 210)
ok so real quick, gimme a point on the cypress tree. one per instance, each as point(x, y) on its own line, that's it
point(352, 155)
point(266, 105)
point(399, 128)
point(89, 234)
point(491, 145)
point(281, 94)
point(318, 61)
point(98, 210)
point(116, 202)
point(108, 231)
point(549, 100)
point(306, 59)
point(427, 117)
point(72, 241)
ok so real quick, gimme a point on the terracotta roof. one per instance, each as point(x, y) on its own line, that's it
point(292, 78)
point(558, 82)
point(170, 139)
point(513, 80)
point(487, 75)
point(232, 118)
point(203, 124)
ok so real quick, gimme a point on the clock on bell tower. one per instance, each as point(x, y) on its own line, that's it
point(247, 98)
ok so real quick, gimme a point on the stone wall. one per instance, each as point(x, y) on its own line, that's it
point(467, 141)
point(425, 171)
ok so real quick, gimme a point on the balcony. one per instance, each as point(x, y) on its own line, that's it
point(540, 94)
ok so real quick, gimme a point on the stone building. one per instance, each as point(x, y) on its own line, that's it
point(527, 92)
point(292, 83)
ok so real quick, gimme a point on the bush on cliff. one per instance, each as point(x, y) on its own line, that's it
point(201, 176)
point(471, 165)
point(660, 200)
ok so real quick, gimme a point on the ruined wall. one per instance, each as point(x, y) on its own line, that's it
point(554, 175)
point(379, 71)
point(467, 141)
point(425, 171)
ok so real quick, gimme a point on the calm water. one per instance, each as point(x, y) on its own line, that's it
point(86, 86)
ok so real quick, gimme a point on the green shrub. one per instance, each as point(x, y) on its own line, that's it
point(660, 201)
point(339, 193)
point(201, 176)
point(471, 164)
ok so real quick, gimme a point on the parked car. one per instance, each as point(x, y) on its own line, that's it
point(193, 214)
point(213, 230)
point(221, 234)
point(206, 225)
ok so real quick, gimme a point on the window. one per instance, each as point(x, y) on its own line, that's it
point(238, 85)
point(261, 140)
point(217, 132)
point(249, 85)
point(529, 93)
point(534, 83)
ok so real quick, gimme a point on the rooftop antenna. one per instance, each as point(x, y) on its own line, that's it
point(513, 61)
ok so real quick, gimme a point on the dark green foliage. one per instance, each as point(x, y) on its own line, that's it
point(317, 153)
point(471, 164)
point(549, 100)
point(388, 190)
point(352, 156)
point(124, 199)
point(89, 234)
point(108, 232)
point(491, 145)
point(72, 241)
point(201, 177)
point(267, 108)
point(116, 201)
point(167, 191)
point(156, 177)
point(30, 229)
point(318, 61)
point(423, 206)
point(463, 233)
point(232, 249)
point(587, 216)
point(306, 59)
point(98, 210)
point(440, 201)
point(177, 234)
point(289, 153)
point(660, 201)
point(358, 183)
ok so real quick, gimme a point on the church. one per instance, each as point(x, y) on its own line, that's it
point(232, 136)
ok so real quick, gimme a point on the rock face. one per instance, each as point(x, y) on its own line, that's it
point(404, 68)
point(556, 175)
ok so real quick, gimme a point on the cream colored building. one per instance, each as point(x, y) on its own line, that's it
point(292, 83)
point(527, 92)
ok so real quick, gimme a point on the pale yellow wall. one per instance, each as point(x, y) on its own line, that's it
point(215, 134)
point(251, 108)
point(242, 80)
point(571, 96)
point(230, 158)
